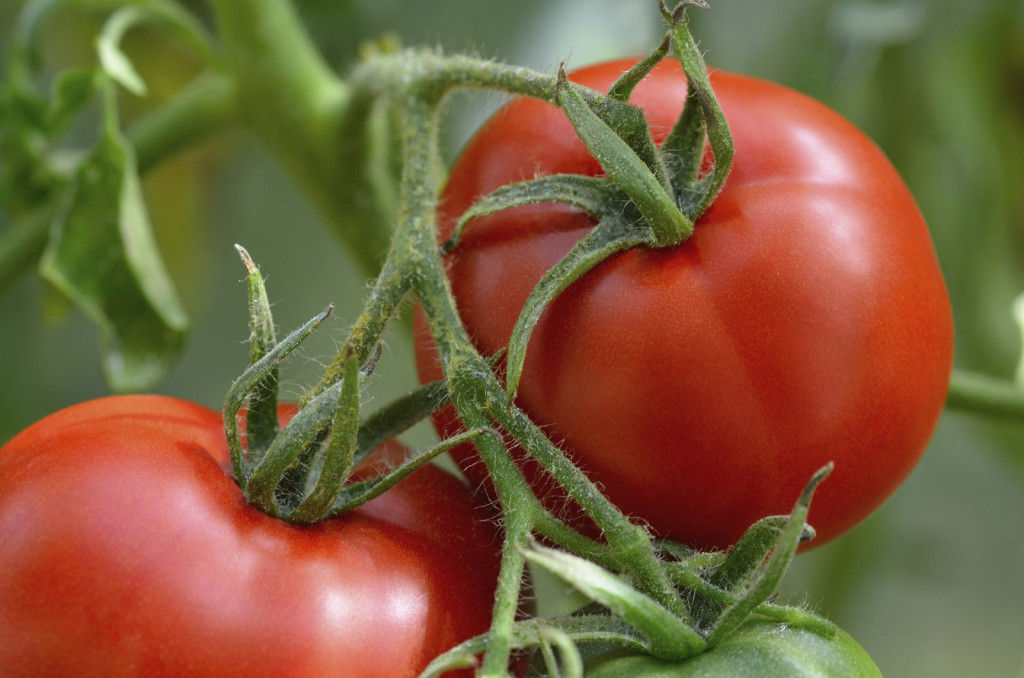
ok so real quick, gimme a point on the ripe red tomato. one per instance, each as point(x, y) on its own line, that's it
point(805, 321)
point(128, 550)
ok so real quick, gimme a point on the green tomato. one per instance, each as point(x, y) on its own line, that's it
point(758, 648)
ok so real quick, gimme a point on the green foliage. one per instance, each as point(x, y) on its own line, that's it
point(82, 213)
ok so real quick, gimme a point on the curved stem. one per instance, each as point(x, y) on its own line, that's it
point(384, 298)
point(630, 543)
point(207, 105)
point(309, 119)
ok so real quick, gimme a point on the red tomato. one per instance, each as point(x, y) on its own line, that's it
point(128, 550)
point(805, 321)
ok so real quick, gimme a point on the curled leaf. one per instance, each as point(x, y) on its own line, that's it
point(103, 257)
point(669, 637)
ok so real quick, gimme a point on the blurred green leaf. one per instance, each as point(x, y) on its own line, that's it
point(102, 255)
point(113, 60)
point(71, 92)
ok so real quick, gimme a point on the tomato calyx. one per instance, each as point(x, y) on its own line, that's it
point(300, 473)
point(648, 197)
point(727, 590)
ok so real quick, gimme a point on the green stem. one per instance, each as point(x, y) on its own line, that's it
point(207, 105)
point(975, 393)
point(630, 543)
point(308, 118)
point(475, 390)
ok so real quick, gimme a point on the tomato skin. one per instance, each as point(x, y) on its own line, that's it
point(805, 321)
point(128, 550)
point(760, 649)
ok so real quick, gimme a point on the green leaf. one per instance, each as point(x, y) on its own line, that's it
point(669, 636)
point(169, 16)
point(102, 255)
point(72, 90)
point(115, 62)
point(594, 628)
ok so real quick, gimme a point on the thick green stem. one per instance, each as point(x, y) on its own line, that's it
point(475, 389)
point(415, 245)
point(307, 117)
point(975, 393)
point(205, 106)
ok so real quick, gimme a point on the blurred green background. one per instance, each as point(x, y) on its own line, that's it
point(933, 583)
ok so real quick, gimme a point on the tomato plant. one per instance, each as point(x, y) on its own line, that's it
point(805, 320)
point(698, 375)
point(757, 648)
point(129, 550)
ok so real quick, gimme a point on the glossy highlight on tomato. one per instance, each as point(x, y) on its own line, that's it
point(128, 550)
point(805, 321)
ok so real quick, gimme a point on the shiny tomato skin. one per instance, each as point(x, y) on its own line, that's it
point(805, 321)
point(128, 550)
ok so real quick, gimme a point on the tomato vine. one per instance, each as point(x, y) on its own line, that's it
point(339, 138)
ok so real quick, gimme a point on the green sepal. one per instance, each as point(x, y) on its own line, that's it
point(689, 574)
point(594, 195)
point(683, 151)
point(340, 452)
point(622, 88)
point(764, 582)
point(261, 417)
point(247, 382)
point(608, 237)
point(629, 123)
point(399, 416)
point(715, 124)
point(297, 448)
point(304, 432)
point(668, 636)
point(102, 255)
point(362, 492)
point(596, 628)
point(625, 168)
point(748, 554)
